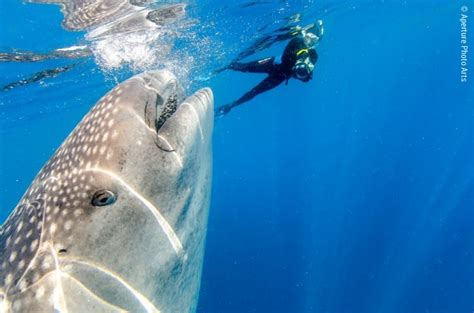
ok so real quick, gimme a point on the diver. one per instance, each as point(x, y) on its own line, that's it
point(298, 61)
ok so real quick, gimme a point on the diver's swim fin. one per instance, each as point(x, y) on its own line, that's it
point(39, 76)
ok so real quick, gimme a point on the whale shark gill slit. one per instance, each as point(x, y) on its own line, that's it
point(95, 267)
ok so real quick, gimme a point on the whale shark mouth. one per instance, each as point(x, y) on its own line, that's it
point(169, 108)
point(167, 95)
point(177, 121)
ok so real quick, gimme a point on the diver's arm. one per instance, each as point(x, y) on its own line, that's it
point(313, 56)
point(268, 83)
point(320, 29)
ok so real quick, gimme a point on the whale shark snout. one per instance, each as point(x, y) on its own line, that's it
point(116, 220)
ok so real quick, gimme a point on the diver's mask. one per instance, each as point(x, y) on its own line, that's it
point(303, 69)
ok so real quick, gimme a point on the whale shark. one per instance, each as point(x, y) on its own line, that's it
point(116, 220)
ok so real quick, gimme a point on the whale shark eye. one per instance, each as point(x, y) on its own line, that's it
point(103, 198)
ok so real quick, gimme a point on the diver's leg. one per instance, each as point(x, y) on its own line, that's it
point(260, 66)
point(258, 45)
point(268, 83)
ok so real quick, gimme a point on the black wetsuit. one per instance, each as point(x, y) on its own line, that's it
point(277, 73)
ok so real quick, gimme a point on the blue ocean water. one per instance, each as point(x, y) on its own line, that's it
point(351, 193)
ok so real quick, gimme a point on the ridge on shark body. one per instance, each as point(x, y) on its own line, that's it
point(116, 220)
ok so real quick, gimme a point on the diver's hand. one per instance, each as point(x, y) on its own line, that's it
point(296, 30)
point(320, 29)
point(223, 110)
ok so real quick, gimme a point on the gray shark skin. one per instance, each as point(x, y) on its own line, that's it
point(119, 15)
point(116, 220)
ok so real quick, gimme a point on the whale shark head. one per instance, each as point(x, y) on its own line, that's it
point(116, 219)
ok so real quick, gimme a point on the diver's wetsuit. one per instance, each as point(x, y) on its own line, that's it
point(277, 73)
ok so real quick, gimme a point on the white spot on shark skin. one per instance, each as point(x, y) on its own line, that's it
point(9, 279)
point(34, 245)
point(68, 225)
point(21, 264)
point(29, 233)
point(17, 240)
point(22, 285)
point(19, 226)
point(77, 212)
point(114, 134)
point(39, 293)
point(53, 228)
point(12, 256)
